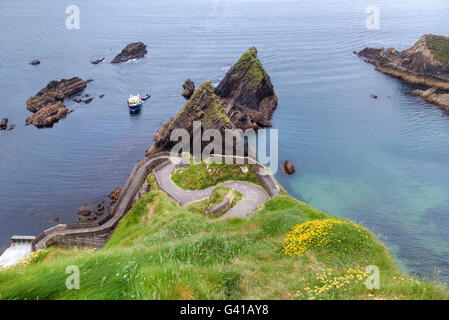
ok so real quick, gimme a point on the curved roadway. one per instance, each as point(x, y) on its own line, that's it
point(253, 195)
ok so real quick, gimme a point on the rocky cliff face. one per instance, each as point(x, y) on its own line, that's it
point(426, 62)
point(135, 50)
point(47, 103)
point(203, 106)
point(244, 99)
point(247, 94)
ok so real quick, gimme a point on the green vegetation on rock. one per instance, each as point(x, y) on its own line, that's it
point(439, 45)
point(249, 63)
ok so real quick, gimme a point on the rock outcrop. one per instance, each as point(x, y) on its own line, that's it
point(97, 61)
point(47, 103)
point(432, 95)
point(425, 63)
point(247, 94)
point(189, 89)
point(203, 106)
point(34, 62)
point(244, 99)
point(135, 50)
point(48, 115)
point(4, 124)
point(56, 91)
point(288, 167)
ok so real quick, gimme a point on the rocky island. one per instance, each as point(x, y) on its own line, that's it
point(47, 103)
point(425, 63)
point(135, 50)
point(244, 99)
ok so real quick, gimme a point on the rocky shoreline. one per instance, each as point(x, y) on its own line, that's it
point(425, 63)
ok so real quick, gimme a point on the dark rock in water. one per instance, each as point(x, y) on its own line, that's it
point(11, 127)
point(55, 91)
point(97, 61)
point(134, 50)
point(87, 101)
point(189, 89)
point(89, 81)
point(56, 219)
point(203, 106)
point(246, 90)
point(34, 62)
point(374, 96)
point(90, 218)
point(4, 124)
point(425, 63)
point(114, 195)
point(48, 115)
point(84, 213)
point(101, 96)
point(288, 167)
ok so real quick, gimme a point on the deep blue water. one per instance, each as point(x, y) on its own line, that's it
point(380, 162)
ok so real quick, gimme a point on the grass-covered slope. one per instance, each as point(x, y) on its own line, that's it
point(159, 250)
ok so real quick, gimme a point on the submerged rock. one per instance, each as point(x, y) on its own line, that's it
point(189, 89)
point(97, 61)
point(288, 167)
point(34, 62)
point(48, 115)
point(114, 195)
point(135, 50)
point(247, 94)
point(4, 124)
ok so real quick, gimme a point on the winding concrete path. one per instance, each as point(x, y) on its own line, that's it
point(253, 195)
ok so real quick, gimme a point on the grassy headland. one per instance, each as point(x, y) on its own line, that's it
point(288, 250)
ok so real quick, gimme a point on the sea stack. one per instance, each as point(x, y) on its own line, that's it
point(135, 50)
point(244, 99)
point(189, 89)
point(247, 94)
point(203, 106)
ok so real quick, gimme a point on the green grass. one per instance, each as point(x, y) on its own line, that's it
point(440, 47)
point(202, 175)
point(215, 198)
point(162, 251)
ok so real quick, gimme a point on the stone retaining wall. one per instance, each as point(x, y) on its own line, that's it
point(96, 234)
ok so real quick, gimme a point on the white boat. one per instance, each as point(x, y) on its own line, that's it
point(134, 103)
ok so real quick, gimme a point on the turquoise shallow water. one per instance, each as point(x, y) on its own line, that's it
point(380, 162)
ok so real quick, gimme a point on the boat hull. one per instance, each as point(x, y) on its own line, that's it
point(134, 108)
